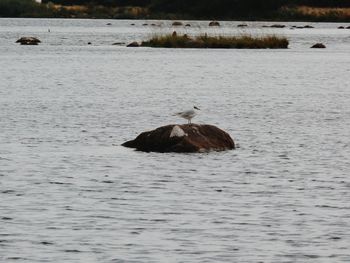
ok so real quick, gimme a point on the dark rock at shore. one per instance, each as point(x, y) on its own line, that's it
point(214, 23)
point(302, 27)
point(242, 25)
point(341, 27)
point(133, 44)
point(28, 41)
point(188, 25)
point(318, 45)
point(187, 138)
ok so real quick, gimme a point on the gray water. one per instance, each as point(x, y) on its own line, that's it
point(70, 193)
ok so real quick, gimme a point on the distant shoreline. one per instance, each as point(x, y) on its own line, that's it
point(287, 14)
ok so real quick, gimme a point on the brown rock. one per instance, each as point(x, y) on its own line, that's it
point(214, 23)
point(318, 45)
point(183, 138)
point(28, 41)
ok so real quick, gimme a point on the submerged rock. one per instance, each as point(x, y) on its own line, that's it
point(177, 23)
point(118, 43)
point(318, 45)
point(183, 138)
point(28, 41)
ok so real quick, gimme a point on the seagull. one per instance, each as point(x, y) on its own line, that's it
point(189, 114)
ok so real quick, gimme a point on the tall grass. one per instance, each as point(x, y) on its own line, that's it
point(205, 41)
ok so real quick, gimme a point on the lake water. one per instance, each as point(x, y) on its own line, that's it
point(70, 193)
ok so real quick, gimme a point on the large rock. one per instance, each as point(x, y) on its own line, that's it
point(28, 41)
point(183, 138)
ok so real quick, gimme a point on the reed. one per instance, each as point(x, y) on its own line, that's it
point(205, 41)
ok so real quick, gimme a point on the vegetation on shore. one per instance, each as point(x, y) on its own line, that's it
point(204, 41)
point(292, 10)
point(316, 14)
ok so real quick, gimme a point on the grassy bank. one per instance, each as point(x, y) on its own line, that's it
point(317, 14)
point(205, 41)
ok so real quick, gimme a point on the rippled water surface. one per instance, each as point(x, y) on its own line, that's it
point(70, 193)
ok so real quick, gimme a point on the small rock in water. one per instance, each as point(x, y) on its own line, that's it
point(133, 44)
point(278, 26)
point(118, 43)
point(318, 45)
point(214, 23)
point(193, 138)
point(28, 41)
point(177, 23)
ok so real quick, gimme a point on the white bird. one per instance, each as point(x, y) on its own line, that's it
point(189, 114)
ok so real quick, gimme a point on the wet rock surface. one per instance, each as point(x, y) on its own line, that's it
point(183, 138)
